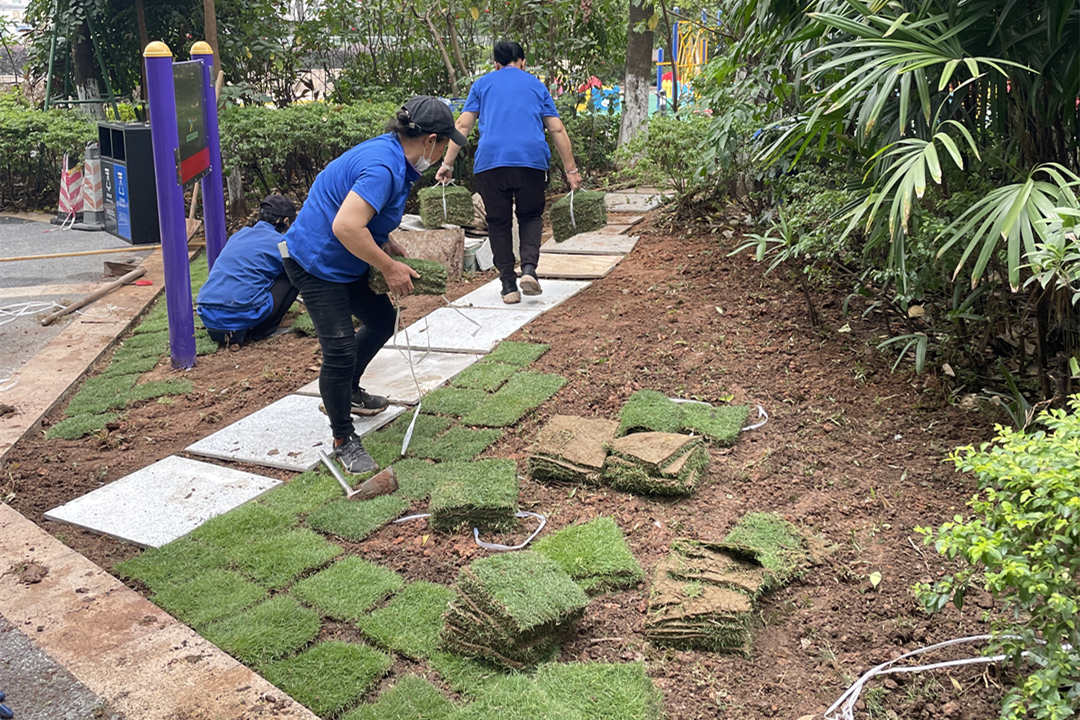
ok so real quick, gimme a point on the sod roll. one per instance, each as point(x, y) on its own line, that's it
point(432, 280)
point(589, 213)
point(445, 205)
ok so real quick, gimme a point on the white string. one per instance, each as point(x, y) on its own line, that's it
point(445, 216)
point(573, 223)
point(506, 548)
point(412, 370)
point(11, 313)
point(458, 311)
point(761, 414)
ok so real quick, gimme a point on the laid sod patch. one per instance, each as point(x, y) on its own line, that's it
point(156, 342)
point(157, 389)
point(208, 596)
point(432, 280)
point(512, 609)
point(177, 562)
point(485, 375)
point(774, 543)
point(348, 588)
point(416, 478)
point(304, 325)
point(155, 321)
point(602, 691)
point(75, 427)
point(101, 393)
point(519, 354)
point(595, 555)
point(384, 445)
point(243, 526)
point(445, 205)
point(452, 401)
point(578, 212)
point(520, 395)
point(131, 365)
point(277, 559)
point(457, 443)
point(514, 697)
point(302, 494)
point(204, 344)
point(411, 698)
point(464, 675)
point(330, 676)
point(721, 425)
point(411, 621)
point(266, 632)
point(650, 410)
point(481, 494)
point(354, 520)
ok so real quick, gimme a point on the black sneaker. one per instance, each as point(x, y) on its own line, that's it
point(529, 284)
point(510, 294)
point(363, 403)
point(354, 457)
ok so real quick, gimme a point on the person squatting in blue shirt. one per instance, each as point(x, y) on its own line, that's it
point(512, 160)
point(247, 292)
point(343, 230)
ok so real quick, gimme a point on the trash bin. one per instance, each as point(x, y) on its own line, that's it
point(127, 180)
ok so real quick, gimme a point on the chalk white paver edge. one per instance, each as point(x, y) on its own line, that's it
point(389, 375)
point(470, 330)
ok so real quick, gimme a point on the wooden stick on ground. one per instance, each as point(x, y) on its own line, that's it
point(106, 251)
point(96, 295)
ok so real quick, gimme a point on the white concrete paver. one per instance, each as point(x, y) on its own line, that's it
point(388, 374)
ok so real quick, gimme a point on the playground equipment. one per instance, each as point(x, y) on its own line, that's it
point(690, 48)
point(186, 148)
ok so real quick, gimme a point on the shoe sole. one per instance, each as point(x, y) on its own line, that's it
point(354, 411)
point(530, 285)
point(511, 298)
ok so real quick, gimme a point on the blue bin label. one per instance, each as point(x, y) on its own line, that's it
point(123, 209)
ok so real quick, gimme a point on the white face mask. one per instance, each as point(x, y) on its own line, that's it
point(424, 163)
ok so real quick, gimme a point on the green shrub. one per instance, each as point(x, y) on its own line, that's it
point(1023, 546)
point(664, 154)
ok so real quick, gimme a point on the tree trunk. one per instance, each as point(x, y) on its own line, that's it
point(86, 80)
point(210, 30)
point(455, 43)
point(639, 70)
point(144, 40)
point(437, 37)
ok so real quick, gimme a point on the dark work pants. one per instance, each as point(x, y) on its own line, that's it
point(284, 294)
point(501, 188)
point(346, 353)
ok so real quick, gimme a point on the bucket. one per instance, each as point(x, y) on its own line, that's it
point(471, 246)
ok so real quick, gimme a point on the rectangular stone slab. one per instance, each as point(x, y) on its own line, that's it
point(448, 330)
point(287, 434)
point(388, 374)
point(593, 243)
point(490, 296)
point(632, 202)
point(576, 267)
point(167, 500)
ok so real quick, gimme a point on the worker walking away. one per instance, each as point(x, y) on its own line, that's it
point(342, 231)
point(247, 292)
point(512, 161)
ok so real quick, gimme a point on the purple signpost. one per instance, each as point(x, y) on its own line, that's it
point(170, 202)
point(213, 182)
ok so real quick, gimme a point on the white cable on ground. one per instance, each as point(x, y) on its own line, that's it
point(412, 370)
point(761, 414)
point(11, 313)
point(7, 382)
point(409, 518)
point(844, 708)
point(505, 548)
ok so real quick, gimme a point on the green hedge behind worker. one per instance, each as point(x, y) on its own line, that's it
point(512, 161)
point(342, 230)
point(247, 292)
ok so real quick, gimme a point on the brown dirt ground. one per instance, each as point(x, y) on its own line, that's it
point(852, 454)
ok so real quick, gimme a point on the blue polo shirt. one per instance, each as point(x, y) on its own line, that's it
point(377, 171)
point(236, 295)
point(511, 105)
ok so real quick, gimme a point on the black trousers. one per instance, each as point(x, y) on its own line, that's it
point(501, 188)
point(346, 352)
point(284, 294)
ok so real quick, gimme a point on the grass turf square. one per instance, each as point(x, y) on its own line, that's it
point(479, 494)
point(411, 698)
point(519, 354)
point(277, 559)
point(242, 526)
point(525, 587)
point(330, 676)
point(101, 393)
point(356, 519)
point(304, 493)
point(411, 621)
point(457, 443)
point(266, 632)
point(720, 425)
point(521, 394)
point(464, 675)
point(156, 389)
point(515, 697)
point(649, 410)
point(485, 375)
point(453, 401)
point(774, 542)
point(602, 691)
point(177, 562)
point(385, 444)
point(208, 597)
point(75, 427)
point(348, 588)
point(128, 365)
point(146, 343)
point(416, 478)
point(594, 554)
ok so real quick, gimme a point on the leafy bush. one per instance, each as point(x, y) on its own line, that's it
point(1023, 546)
point(664, 154)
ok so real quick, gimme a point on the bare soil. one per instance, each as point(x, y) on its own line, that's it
point(851, 454)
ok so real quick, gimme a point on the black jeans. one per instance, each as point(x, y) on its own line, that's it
point(346, 353)
point(501, 188)
point(284, 294)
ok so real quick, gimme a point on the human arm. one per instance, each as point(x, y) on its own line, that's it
point(464, 124)
point(350, 228)
point(561, 138)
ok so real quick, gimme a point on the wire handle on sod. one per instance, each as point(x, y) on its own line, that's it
point(445, 214)
point(573, 223)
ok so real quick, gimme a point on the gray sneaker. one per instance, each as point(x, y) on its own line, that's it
point(364, 403)
point(354, 457)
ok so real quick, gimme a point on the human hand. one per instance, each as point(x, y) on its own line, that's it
point(574, 178)
point(445, 173)
point(399, 277)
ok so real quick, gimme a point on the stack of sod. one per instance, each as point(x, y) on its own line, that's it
point(650, 410)
point(445, 205)
point(589, 213)
point(656, 463)
point(432, 280)
point(512, 609)
point(595, 555)
point(772, 542)
point(481, 494)
point(571, 449)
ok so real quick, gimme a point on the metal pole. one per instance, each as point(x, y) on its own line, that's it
point(660, 80)
point(52, 53)
point(213, 183)
point(170, 202)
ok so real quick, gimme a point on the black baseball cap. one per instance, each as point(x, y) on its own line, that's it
point(279, 206)
point(431, 115)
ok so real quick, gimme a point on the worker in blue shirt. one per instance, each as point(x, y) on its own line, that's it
point(247, 292)
point(512, 161)
point(342, 230)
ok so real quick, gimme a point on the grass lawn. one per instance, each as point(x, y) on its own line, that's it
point(330, 676)
point(276, 560)
point(348, 588)
point(354, 520)
point(268, 631)
point(177, 562)
point(520, 354)
point(521, 394)
point(410, 623)
point(486, 375)
point(411, 698)
point(209, 596)
point(453, 401)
